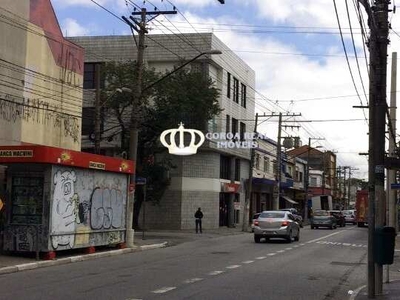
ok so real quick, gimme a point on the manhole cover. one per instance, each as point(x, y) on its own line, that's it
point(342, 263)
point(220, 252)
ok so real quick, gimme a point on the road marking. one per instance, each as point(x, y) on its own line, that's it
point(296, 246)
point(233, 267)
point(213, 273)
point(288, 248)
point(324, 237)
point(261, 257)
point(164, 290)
point(247, 261)
point(302, 244)
point(346, 244)
point(193, 280)
point(271, 254)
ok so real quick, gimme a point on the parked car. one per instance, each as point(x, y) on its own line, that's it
point(322, 218)
point(255, 217)
point(295, 213)
point(276, 224)
point(350, 216)
point(340, 219)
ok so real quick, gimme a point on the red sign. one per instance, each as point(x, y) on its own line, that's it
point(58, 156)
point(230, 187)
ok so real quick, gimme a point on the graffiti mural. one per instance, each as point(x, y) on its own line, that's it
point(88, 208)
point(64, 210)
point(106, 209)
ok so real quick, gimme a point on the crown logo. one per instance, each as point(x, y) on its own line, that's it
point(181, 149)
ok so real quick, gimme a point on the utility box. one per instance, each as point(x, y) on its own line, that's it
point(384, 241)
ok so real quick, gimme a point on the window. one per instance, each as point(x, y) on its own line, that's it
point(225, 167)
point(266, 164)
point(237, 169)
point(234, 126)
point(257, 161)
point(242, 130)
point(228, 123)
point(243, 95)
point(87, 120)
point(313, 181)
point(228, 86)
point(235, 90)
point(89, 76)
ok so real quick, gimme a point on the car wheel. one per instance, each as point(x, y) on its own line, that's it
point(289, 238)
point(257, 238)
point(335, 226)
point(312, 227)
point(297, 238)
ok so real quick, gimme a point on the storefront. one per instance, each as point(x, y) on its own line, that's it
point(59, 199)
point(229, 204)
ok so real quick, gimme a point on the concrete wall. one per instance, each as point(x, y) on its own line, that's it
point(41, 78)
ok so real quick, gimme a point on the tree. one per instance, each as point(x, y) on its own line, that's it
point(185, 96)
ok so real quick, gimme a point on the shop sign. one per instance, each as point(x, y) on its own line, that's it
point(236, 205)
point(97, 165)
point(230, 187)
point(16, 153)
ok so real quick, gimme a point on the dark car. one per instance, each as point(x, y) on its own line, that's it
point(296, 215)
point(340, 217)
point(322, 218)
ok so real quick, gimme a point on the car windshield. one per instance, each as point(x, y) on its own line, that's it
point(275, 215)
point(321, 213)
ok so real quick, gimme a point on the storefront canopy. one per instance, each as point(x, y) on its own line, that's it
point(57, 156)
point(289, 200)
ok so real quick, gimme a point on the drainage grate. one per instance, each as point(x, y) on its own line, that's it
point(342, 263)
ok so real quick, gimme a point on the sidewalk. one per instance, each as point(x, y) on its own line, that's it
point(143, 241)
point(391, 290)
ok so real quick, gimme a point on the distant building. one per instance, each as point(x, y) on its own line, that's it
point(213, 179)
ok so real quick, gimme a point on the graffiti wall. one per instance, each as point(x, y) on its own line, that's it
point(87, 208)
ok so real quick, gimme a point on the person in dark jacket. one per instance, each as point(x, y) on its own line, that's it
point(198, 215)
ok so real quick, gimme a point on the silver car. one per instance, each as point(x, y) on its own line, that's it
point(276, 224)
point(322, 218)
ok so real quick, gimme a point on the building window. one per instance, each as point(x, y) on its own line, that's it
point(228, 123)
point(89, 76)
point(225, 167)
point(235, 126)
point(237, 169)
point(300, 178)
point(257, 161)
point(313, 181)
point(228, 86)
point(87, 120)
point(242, 130)
point(266, 164)
point(235, 90)
point(243, 95)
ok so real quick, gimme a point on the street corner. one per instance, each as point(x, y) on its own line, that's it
point(391, 290)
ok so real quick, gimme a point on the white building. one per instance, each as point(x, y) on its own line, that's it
point(214, 178)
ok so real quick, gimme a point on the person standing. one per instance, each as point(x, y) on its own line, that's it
point(199, 216)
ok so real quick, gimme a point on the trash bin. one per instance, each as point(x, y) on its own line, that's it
point(384, 241)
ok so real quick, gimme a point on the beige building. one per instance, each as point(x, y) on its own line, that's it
point(40, 78)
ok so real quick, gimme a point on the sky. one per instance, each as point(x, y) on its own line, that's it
point(295, 49)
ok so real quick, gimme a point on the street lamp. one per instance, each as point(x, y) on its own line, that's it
point(133, 136)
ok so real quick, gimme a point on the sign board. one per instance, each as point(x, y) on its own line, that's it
point(395, 186)
point(230, 187)
point(141, 181)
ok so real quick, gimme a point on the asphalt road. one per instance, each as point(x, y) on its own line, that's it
point(324, 264)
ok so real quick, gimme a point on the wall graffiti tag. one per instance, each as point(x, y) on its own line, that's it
point(106, 209)
point(13, 109)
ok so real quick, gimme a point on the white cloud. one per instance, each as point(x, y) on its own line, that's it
point(72, 28)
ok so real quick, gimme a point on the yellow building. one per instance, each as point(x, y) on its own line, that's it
point(41, 77)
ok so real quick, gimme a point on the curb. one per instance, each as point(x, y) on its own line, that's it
point(78, 258)
point(356, 292)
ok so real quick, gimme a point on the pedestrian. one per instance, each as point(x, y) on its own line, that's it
point(198, 215)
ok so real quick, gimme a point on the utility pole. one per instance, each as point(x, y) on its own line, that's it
point(135, 112)
point(279, 164)
point(247, 201)
point(378, 42)
point(344, 188)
